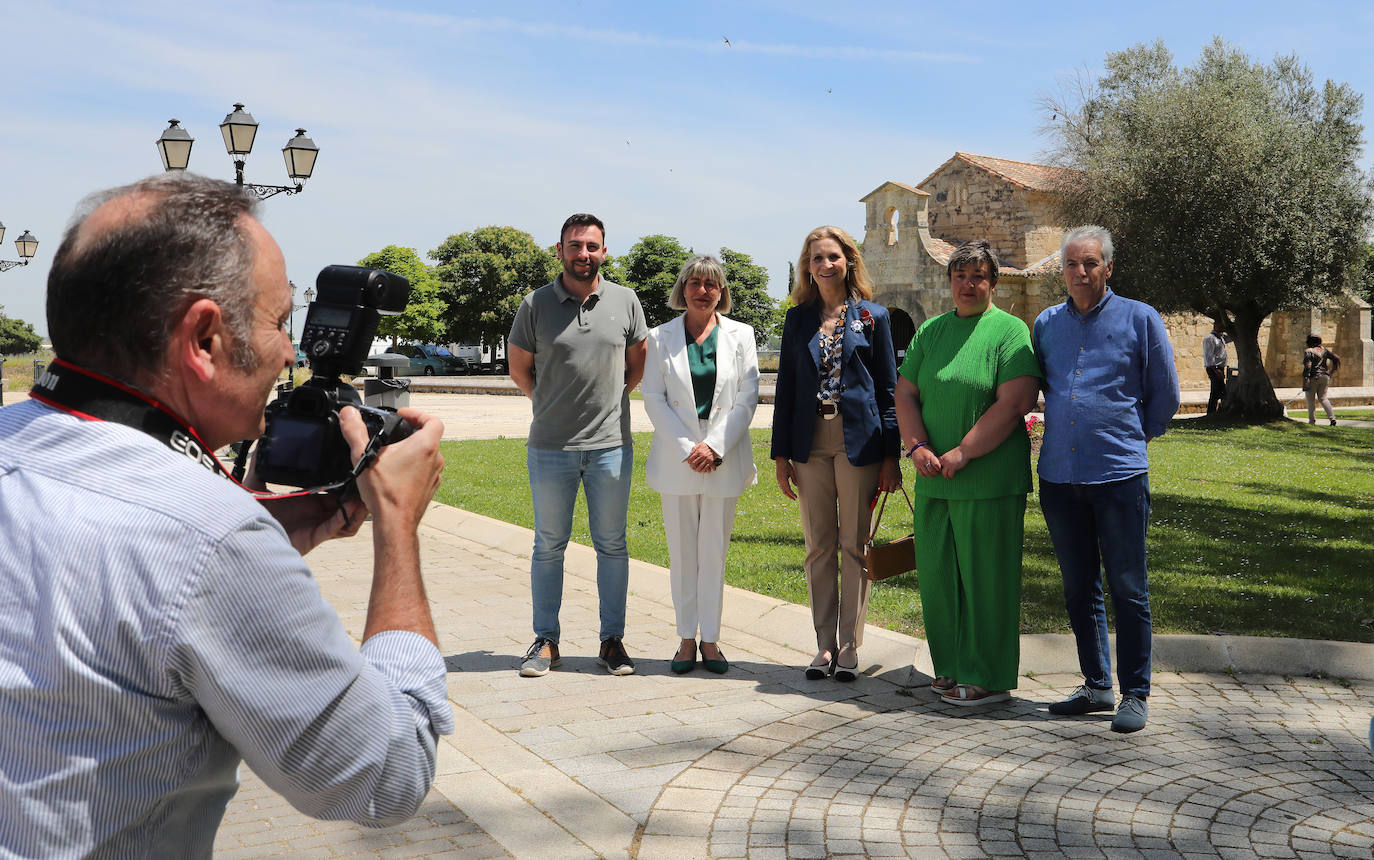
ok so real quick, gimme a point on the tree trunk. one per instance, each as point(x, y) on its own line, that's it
point(1250, 396)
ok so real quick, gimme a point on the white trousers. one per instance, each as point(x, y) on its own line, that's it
point(698, 531)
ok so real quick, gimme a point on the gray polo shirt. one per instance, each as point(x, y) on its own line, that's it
point(580, 400)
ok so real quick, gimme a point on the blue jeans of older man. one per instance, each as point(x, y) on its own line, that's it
point(1099, 528)
point(604, 474)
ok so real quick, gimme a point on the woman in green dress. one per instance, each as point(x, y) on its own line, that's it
point(968, 380)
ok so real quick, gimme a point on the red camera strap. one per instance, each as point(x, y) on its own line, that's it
point(90, 396)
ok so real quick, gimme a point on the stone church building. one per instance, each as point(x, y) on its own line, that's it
point(910, 231)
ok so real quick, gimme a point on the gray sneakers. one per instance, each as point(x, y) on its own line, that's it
point(1130, 717)
point(542, 656)
point(1084, 700)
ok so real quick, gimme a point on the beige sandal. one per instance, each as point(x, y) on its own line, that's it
point(967, 695)
point(941, 684)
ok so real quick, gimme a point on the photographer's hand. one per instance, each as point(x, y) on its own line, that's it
point(311, 520)
point(397, 489)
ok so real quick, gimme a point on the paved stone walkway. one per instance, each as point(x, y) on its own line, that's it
point(760, 763)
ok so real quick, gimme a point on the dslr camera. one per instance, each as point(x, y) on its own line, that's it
point(303, 445)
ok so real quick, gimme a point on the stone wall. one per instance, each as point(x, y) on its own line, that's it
point(904, 275)
point(968, 203)
point(1343, 328)
point(906, 229)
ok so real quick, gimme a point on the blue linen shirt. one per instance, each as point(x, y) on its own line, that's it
point(155, 626)
point(1110, 384)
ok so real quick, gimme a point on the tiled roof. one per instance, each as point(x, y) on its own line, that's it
point(939, 250)
point(1035, 177)
point(1048, 266)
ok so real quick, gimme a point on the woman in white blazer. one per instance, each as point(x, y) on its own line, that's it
point(701, 386)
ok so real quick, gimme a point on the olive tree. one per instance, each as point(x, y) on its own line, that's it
point(1232, 188)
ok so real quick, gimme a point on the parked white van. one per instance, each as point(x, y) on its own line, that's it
point(482, 355)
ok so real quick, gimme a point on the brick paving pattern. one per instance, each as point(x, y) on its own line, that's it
point(760, 763)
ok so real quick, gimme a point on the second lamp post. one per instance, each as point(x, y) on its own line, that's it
point(239, 129)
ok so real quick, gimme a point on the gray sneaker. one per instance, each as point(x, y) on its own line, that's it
point(542, 656)
point(1084, 700)
point(1130, 717)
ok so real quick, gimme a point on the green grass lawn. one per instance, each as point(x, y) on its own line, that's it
point(1353, 414)
point(18, 370)
point(1265, 530)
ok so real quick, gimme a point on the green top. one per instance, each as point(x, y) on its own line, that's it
point(701, 360)
point(957, 363)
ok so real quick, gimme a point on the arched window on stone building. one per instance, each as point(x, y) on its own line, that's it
point(893, 219)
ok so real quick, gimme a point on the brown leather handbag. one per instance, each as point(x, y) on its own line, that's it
point(894, 557)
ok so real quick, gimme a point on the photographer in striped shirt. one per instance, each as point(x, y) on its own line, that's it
point(158, 623)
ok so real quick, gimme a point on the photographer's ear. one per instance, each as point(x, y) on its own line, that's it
point(200, 340)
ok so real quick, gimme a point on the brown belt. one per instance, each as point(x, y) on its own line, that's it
point(827, 408)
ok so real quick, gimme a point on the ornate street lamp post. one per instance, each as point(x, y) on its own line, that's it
point(291, 320)
point(27, 246)
point(239, 130)
point(309, 297)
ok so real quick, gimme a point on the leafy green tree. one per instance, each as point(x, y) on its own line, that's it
point(1232, 187)
point(610, 269)
point(650, 268)
point(1364, 278)
point(749, 299)
point(16, 336)
point(485, 273)
point(423, 319)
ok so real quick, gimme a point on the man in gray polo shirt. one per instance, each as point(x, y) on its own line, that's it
point(577, 350)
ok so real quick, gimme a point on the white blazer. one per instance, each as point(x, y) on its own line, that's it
point(672, 407)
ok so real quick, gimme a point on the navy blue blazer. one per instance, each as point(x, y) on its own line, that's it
point(867, 382)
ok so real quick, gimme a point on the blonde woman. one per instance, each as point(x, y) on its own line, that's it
point(701, 386)
point(835, 438)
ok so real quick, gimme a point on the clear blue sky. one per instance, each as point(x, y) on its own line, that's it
point(434, 118)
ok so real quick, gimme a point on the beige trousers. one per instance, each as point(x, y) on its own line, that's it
point(1316, 393)
point(834, 498)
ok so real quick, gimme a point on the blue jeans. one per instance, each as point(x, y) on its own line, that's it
point(1096, 528)
point(605, 477)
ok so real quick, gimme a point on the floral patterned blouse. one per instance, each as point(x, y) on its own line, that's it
point(832, 359)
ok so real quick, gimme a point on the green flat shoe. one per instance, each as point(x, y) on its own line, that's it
point(682, 667)
point(720, 667)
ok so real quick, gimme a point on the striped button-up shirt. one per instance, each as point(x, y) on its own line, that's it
point(155, 627)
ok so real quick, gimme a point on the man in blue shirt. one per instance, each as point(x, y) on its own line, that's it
point(1110, 387)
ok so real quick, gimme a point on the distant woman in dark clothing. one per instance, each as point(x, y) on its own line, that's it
point(1319, 364)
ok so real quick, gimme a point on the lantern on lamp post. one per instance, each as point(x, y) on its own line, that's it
point(26, 245)
point(239, 131)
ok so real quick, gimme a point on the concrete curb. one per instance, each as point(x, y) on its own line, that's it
point(785, 628)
